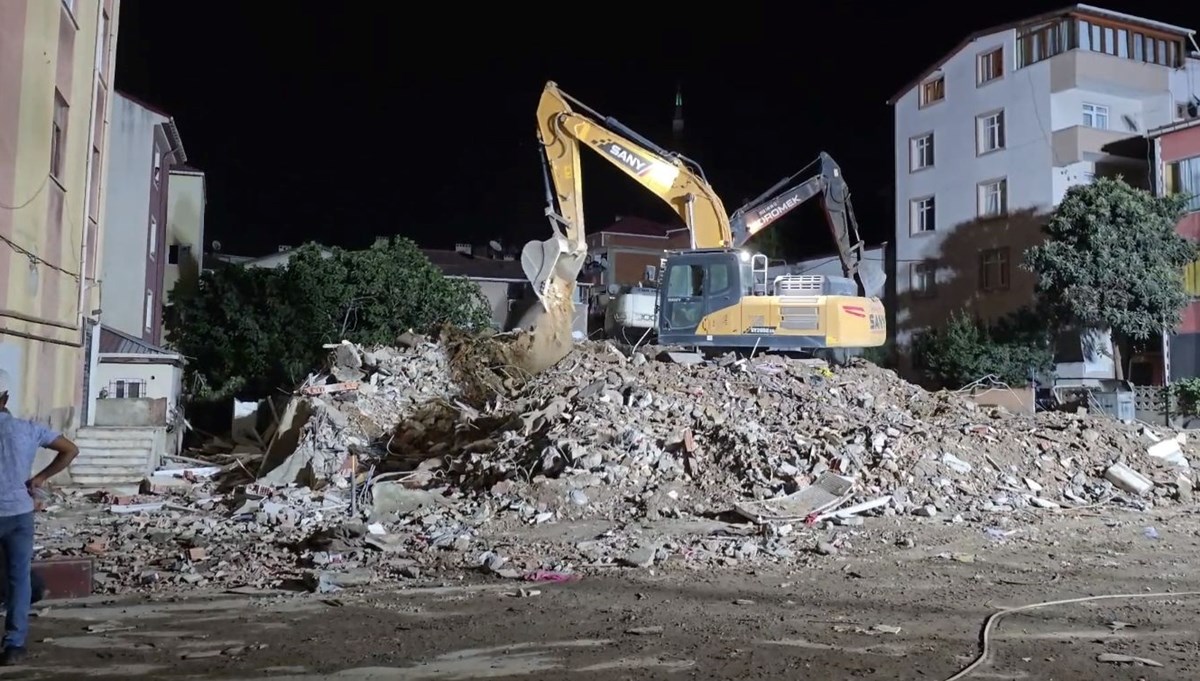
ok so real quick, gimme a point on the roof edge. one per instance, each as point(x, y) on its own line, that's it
point(1172, 127)
point(1100, 11)
point(143, 103)
point(175, 140)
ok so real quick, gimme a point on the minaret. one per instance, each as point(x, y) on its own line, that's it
point(677, 121)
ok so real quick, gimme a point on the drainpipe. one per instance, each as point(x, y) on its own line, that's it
point(83, 314)
point(87, 195)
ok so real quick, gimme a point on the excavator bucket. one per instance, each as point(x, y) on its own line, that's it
point(872, 282)
point(542, 260)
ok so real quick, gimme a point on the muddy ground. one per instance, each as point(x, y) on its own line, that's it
point(815, 619)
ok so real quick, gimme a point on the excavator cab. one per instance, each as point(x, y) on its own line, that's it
point(702, 287)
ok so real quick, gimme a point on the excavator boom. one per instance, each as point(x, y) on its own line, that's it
point(771, 205)
point(562, 130)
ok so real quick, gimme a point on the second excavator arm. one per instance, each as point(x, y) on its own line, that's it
point(772, 205)
point(669, 176)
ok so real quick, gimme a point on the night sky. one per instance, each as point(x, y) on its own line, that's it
point(340, 121)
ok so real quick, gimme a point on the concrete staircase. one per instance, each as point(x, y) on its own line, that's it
point(111, 456)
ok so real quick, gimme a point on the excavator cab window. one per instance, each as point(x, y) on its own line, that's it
point(718, 279)
point(697, 288)
point(686, 281)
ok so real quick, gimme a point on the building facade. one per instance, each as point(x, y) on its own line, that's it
point(1176, 150)
point(630, 251)
point(145, 146)
point(56, 66)
point(990, 138)
point(186, 200)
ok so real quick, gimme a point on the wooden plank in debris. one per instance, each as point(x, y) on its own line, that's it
point(313, 390)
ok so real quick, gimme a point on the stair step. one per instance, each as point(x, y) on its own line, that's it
point(139, 464)
point(143, 452)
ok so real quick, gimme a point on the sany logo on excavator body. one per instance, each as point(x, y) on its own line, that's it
point(627, 157)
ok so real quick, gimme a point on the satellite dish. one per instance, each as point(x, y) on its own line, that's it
point(495, 245)
point(216, 246)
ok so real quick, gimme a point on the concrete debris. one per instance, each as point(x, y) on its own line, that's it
point(401, 462)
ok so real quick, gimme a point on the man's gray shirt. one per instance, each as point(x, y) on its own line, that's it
point(19, 444)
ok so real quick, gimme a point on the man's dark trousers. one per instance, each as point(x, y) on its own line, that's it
point(16, 539)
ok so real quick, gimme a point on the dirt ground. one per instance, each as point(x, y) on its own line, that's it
point(816, 618)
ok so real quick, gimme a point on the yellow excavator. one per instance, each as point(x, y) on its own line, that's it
point(714, 294)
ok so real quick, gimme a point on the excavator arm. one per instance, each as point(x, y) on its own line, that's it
point(772, 205)
point(562, 131)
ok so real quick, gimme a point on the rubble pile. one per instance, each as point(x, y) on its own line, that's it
point(640, 437)
point(426, 456)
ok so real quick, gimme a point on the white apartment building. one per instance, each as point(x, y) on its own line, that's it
point(989, 139)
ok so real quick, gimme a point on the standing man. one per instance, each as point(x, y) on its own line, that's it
point(19, 443)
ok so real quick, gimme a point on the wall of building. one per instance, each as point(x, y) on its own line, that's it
point(1173, 146)
point(131, 289)
point(1047, 150)
point(960, 235)
point(629, 255)
point(48, 52)
point(185, 228)
point(160, 375)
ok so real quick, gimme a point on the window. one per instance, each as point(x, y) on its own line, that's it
point(993, 198)
point(650, 274)
point(920, 152)
point(157, 167)
point(721, 278)
point(173, 255)
point(923, 279)
point(126, 388)
point(933, 91)
point(153, 236)
point(685, 281)
point(1183, 177)
point(991, 66)
point(102, 44)
point(990, 132)
point(923, 216)
point(1043, 41)
point(1191, 279)
point(58, 137)
point(1095, 116)
point(149, 309)
point(993, 269)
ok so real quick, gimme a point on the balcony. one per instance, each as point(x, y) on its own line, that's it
point(1082, 143)
point(1101, 72)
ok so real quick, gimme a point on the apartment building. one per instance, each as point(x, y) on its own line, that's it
point(56, 65)
point(187, 197)
point(1176, 154)
point(145, 147)
point(990, 138)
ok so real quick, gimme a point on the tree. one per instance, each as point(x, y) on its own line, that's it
point(966, 350)
point(1112, 260)
point(252, 330)
point(230, 330)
